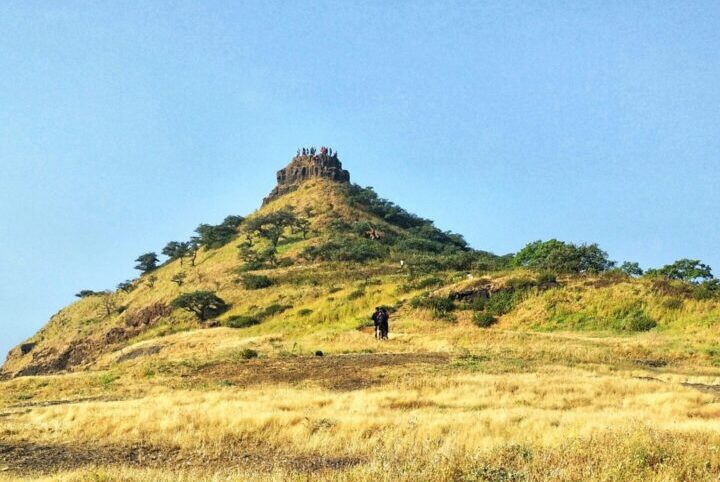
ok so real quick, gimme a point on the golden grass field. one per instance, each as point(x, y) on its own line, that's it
point(509, 406)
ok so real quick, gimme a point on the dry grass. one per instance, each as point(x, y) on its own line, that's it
point(521, 407)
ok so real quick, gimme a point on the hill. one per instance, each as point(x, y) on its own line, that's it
point(248, 354)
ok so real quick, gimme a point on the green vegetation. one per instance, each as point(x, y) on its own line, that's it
point(483, 319)
point(88, 293)
point(561, 257)
point(147, 262)
point(255, 282)
point(203, 304)
point(241, 321)
point(214, 237)
point(688, 270)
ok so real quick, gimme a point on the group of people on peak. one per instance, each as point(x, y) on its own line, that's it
point(311, 151)
point(381, 320)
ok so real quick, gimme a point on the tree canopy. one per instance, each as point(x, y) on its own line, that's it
point(562, 257)
point(147, 262)
point(204, 304)
point(689, 270)
point(216, 236)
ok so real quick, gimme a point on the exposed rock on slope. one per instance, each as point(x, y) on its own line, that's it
point(306, 166)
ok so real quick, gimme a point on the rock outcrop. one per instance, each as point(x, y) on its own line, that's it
point(308, 164)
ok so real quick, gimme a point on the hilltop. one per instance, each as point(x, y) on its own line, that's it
point(247, 353)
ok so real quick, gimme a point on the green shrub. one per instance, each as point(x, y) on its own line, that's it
point(241, 321)
point(483, 319)
point(255, 282)
point(501, 303)
point(305, 312)
point(633, 318)
point(640, 322)
point(273, 310)
point(247, 354)
point(440, 306)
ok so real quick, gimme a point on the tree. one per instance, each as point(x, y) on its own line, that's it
point(271, 226)
point(213, 237)
point(176, 250)
point(151, 281)
point(302, 225)
point(203, 304)
point(193, 248)
point(127, 286)
point(689, 270)
point(631, 269)
point(561, 257)
point(179, 278)
point(147, 262)
point(88, 293)
point(109, 303)
point(256, 259)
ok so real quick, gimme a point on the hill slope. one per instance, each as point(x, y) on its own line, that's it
point(312, 279)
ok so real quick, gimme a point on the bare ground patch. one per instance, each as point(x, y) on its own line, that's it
point(340, 372)
point(37, 458)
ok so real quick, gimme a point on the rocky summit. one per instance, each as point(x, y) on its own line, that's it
point(308, 163)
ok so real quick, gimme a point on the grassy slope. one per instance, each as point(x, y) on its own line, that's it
point(552, 392)
point(340, 297)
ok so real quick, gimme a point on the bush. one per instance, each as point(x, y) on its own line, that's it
point(483, 319)
point(640, 322)
point(241, 321)
point(255, 282)
point(441, 307)
point(633, 318)
point(305, 312)
point(501, 303)
point(273, 310)
point(247, 354)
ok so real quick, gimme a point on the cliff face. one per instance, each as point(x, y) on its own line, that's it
point(306, 166)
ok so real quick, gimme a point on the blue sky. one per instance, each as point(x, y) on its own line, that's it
point(124, 125)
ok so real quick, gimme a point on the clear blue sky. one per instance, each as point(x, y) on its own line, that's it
point(124, 125)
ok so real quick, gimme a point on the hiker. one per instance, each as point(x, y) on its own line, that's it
point(376, 322)
point(384, 324)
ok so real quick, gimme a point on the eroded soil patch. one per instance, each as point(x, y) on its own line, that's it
point(34, 458)
point(340, 372)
